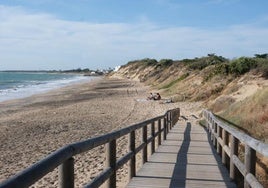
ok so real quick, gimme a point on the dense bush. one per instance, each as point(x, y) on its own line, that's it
point(242, 65)
point(140, 64)
point(262, 66)
point(149, 62)
point(198, 65)
point(203, 62)
point(165, 62)
point(219, 69)
point(222, 69)
point(220, 65)
point(145, 62)
point(187, 61)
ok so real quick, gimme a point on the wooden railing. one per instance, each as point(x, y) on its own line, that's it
point(63, 158)
point(227, 140)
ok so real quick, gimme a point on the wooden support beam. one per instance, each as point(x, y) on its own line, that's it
point(153, 136)
point(111, 160)
point(145, 149)
point(133, 159)
point(66, 174)
point(234, 151)
point(250, 163)
point(159, 130)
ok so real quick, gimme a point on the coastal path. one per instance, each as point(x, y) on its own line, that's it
point(185, 159)
point(172, 150)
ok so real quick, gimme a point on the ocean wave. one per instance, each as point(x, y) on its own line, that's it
point(32, 87)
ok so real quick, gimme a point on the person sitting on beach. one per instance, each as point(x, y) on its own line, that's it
point(151, 97)
point(157, 96)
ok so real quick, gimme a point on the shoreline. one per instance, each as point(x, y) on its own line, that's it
point(68, 115)
point(21, 89)
point(46, 94)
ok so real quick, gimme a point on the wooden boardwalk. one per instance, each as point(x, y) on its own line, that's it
point(185, 159)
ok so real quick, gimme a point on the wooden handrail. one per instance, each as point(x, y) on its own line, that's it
point(63, 157)
point(226, 140)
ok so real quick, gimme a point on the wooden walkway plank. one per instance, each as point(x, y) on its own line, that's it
point(185, 159)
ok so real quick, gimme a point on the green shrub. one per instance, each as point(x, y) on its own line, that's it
point(242, 65)
point(219, 69)
point(201, 63)
point(144, 62)
point(165, 62)
point(187, 61)
point(222, 69)
point(198, 65)
point(149, 62)
point(262, 66)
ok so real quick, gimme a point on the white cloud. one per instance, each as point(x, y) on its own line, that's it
point(42, 41)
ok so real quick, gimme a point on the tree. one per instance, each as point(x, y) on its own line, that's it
point(263, 56)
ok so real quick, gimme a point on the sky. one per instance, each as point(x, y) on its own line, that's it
point(101, 34)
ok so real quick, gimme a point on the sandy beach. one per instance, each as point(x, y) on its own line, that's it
point(33, 127)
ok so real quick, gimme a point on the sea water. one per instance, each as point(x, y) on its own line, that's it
point(14, 85)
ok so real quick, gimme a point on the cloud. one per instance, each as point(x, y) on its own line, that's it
point(42, 41)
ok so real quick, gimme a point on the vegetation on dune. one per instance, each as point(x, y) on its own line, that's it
point(173, 82)
point(262, 66)
point(251, 114)
point(218, 64)
point(203, 62)
point(205, 79)
point(142, 62)
point(218, 82)
point(164, 63)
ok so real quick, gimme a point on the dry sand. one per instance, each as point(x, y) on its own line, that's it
point(33, 127)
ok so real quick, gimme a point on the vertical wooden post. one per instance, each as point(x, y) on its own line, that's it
point(179, 113)
point(234, 151)
point(66, 174)
point(212, 129)
point(111, 161)
point(219, 135)
point(250, 162)
point(159, 130)
point(170, 120)
point(210, 126)
point(145, 149)
point(167, 122)
point(214, 133)
point(165, 128)
point(133, 159)
point(225, 140)
point(207, 121)
point(153, 136)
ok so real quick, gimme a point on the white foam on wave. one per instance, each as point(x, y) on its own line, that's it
point(41, 87)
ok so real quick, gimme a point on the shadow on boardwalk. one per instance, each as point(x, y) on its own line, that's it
point(181, 163)
point(185, 159)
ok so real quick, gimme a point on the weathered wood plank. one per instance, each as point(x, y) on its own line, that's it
point(228, 141)
point(185, 159)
